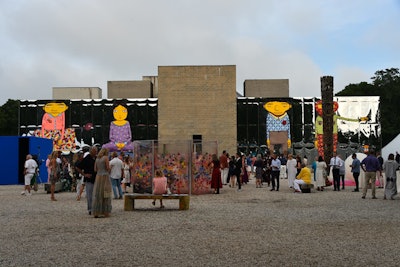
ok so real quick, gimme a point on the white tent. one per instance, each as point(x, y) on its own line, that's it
point(392, 147)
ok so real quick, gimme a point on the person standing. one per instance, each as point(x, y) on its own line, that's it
point(55, 171)
point(379, 175)
point(342, 172)
point(370, 166)
point(102, 185)
point(390, 167)
point(216, 182)
point(291, 170)
point(335, 163)
point(298, 164)
point(223, 161)
point(232, 171)
point(320, 173)
point(30, 167)
point(80, 185)
point(117, 170)
point(275, 171)
point(355, 169)
point(86, 169)
point(258, 164)
point(238, 170)
point(126, 182)
point(283, 171)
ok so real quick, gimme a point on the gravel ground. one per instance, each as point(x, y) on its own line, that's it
point(254, 227)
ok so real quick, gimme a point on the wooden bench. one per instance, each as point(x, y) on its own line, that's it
point(306, 188)
point(129, 199)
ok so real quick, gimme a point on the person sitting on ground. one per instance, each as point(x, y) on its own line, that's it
point(304, 177)
point(160, 186)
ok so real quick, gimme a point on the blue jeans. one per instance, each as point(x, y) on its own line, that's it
point(116, 184)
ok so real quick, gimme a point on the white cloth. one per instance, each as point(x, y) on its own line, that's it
point(30, 166)
point(28, 177)
point(319, 173)
point(116, 166)
point(291, 171)
point(127, 174)
point(224, 175)
point(335, 162)
point(283, 174)
point(297, 184)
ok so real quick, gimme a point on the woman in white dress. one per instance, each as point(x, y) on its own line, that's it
point(321, 169)
point(127, 175)
point(291, 170)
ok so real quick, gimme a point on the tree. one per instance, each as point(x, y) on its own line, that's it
point(9, 118)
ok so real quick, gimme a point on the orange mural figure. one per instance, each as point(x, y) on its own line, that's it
point(53, 126)
point(319, 129)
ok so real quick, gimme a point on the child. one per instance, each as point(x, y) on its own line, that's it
point(159, 186)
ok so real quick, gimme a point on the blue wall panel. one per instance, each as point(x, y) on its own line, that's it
point(9, 160)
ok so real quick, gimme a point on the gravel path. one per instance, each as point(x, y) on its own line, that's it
point(254, 227)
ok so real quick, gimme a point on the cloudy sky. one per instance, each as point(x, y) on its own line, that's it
point(85, 43)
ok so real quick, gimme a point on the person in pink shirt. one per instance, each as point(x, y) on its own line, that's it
point(160, 186)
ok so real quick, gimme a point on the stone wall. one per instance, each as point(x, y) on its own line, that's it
point(198, 100)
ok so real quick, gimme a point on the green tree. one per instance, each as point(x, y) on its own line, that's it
point(9, 118)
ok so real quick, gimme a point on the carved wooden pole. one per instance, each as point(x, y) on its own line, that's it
point(327, 115)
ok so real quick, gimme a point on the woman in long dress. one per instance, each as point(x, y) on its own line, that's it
point(291, 170)
point(127, 174)
point(321, 169)
point(216, 182)
point(102, 185)
point(390, 167)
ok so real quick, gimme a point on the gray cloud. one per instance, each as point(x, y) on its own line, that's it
point(86, 43)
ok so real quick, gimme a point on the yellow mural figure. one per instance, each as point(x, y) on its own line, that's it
point(120, 131)
point(53, 126)
point(319, 129)
point(278, 125)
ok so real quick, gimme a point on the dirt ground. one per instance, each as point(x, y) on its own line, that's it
point(254, 227)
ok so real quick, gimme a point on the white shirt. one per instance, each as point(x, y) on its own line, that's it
point(116, 166)
point(336, 162)
point(30, 166)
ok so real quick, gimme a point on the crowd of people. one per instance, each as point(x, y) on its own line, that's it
point(103, 175)
point(268, 169)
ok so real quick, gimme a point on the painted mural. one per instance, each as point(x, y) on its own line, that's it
point(319, 131)
point(278, 125)
point(120, 131)
point(53, 127)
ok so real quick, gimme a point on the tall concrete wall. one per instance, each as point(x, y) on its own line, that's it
point(77, 93)
point(198, 100)
point(266, 88)
point(129, 89)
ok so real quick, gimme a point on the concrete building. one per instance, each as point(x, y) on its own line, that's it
point(77, 93)
point(193, 102)
point(199, 103)
point(130, 89)
point(266, 88)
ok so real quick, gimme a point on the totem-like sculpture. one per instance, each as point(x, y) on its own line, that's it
point(319, 126)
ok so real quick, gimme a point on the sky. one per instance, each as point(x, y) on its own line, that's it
point(75, 43)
